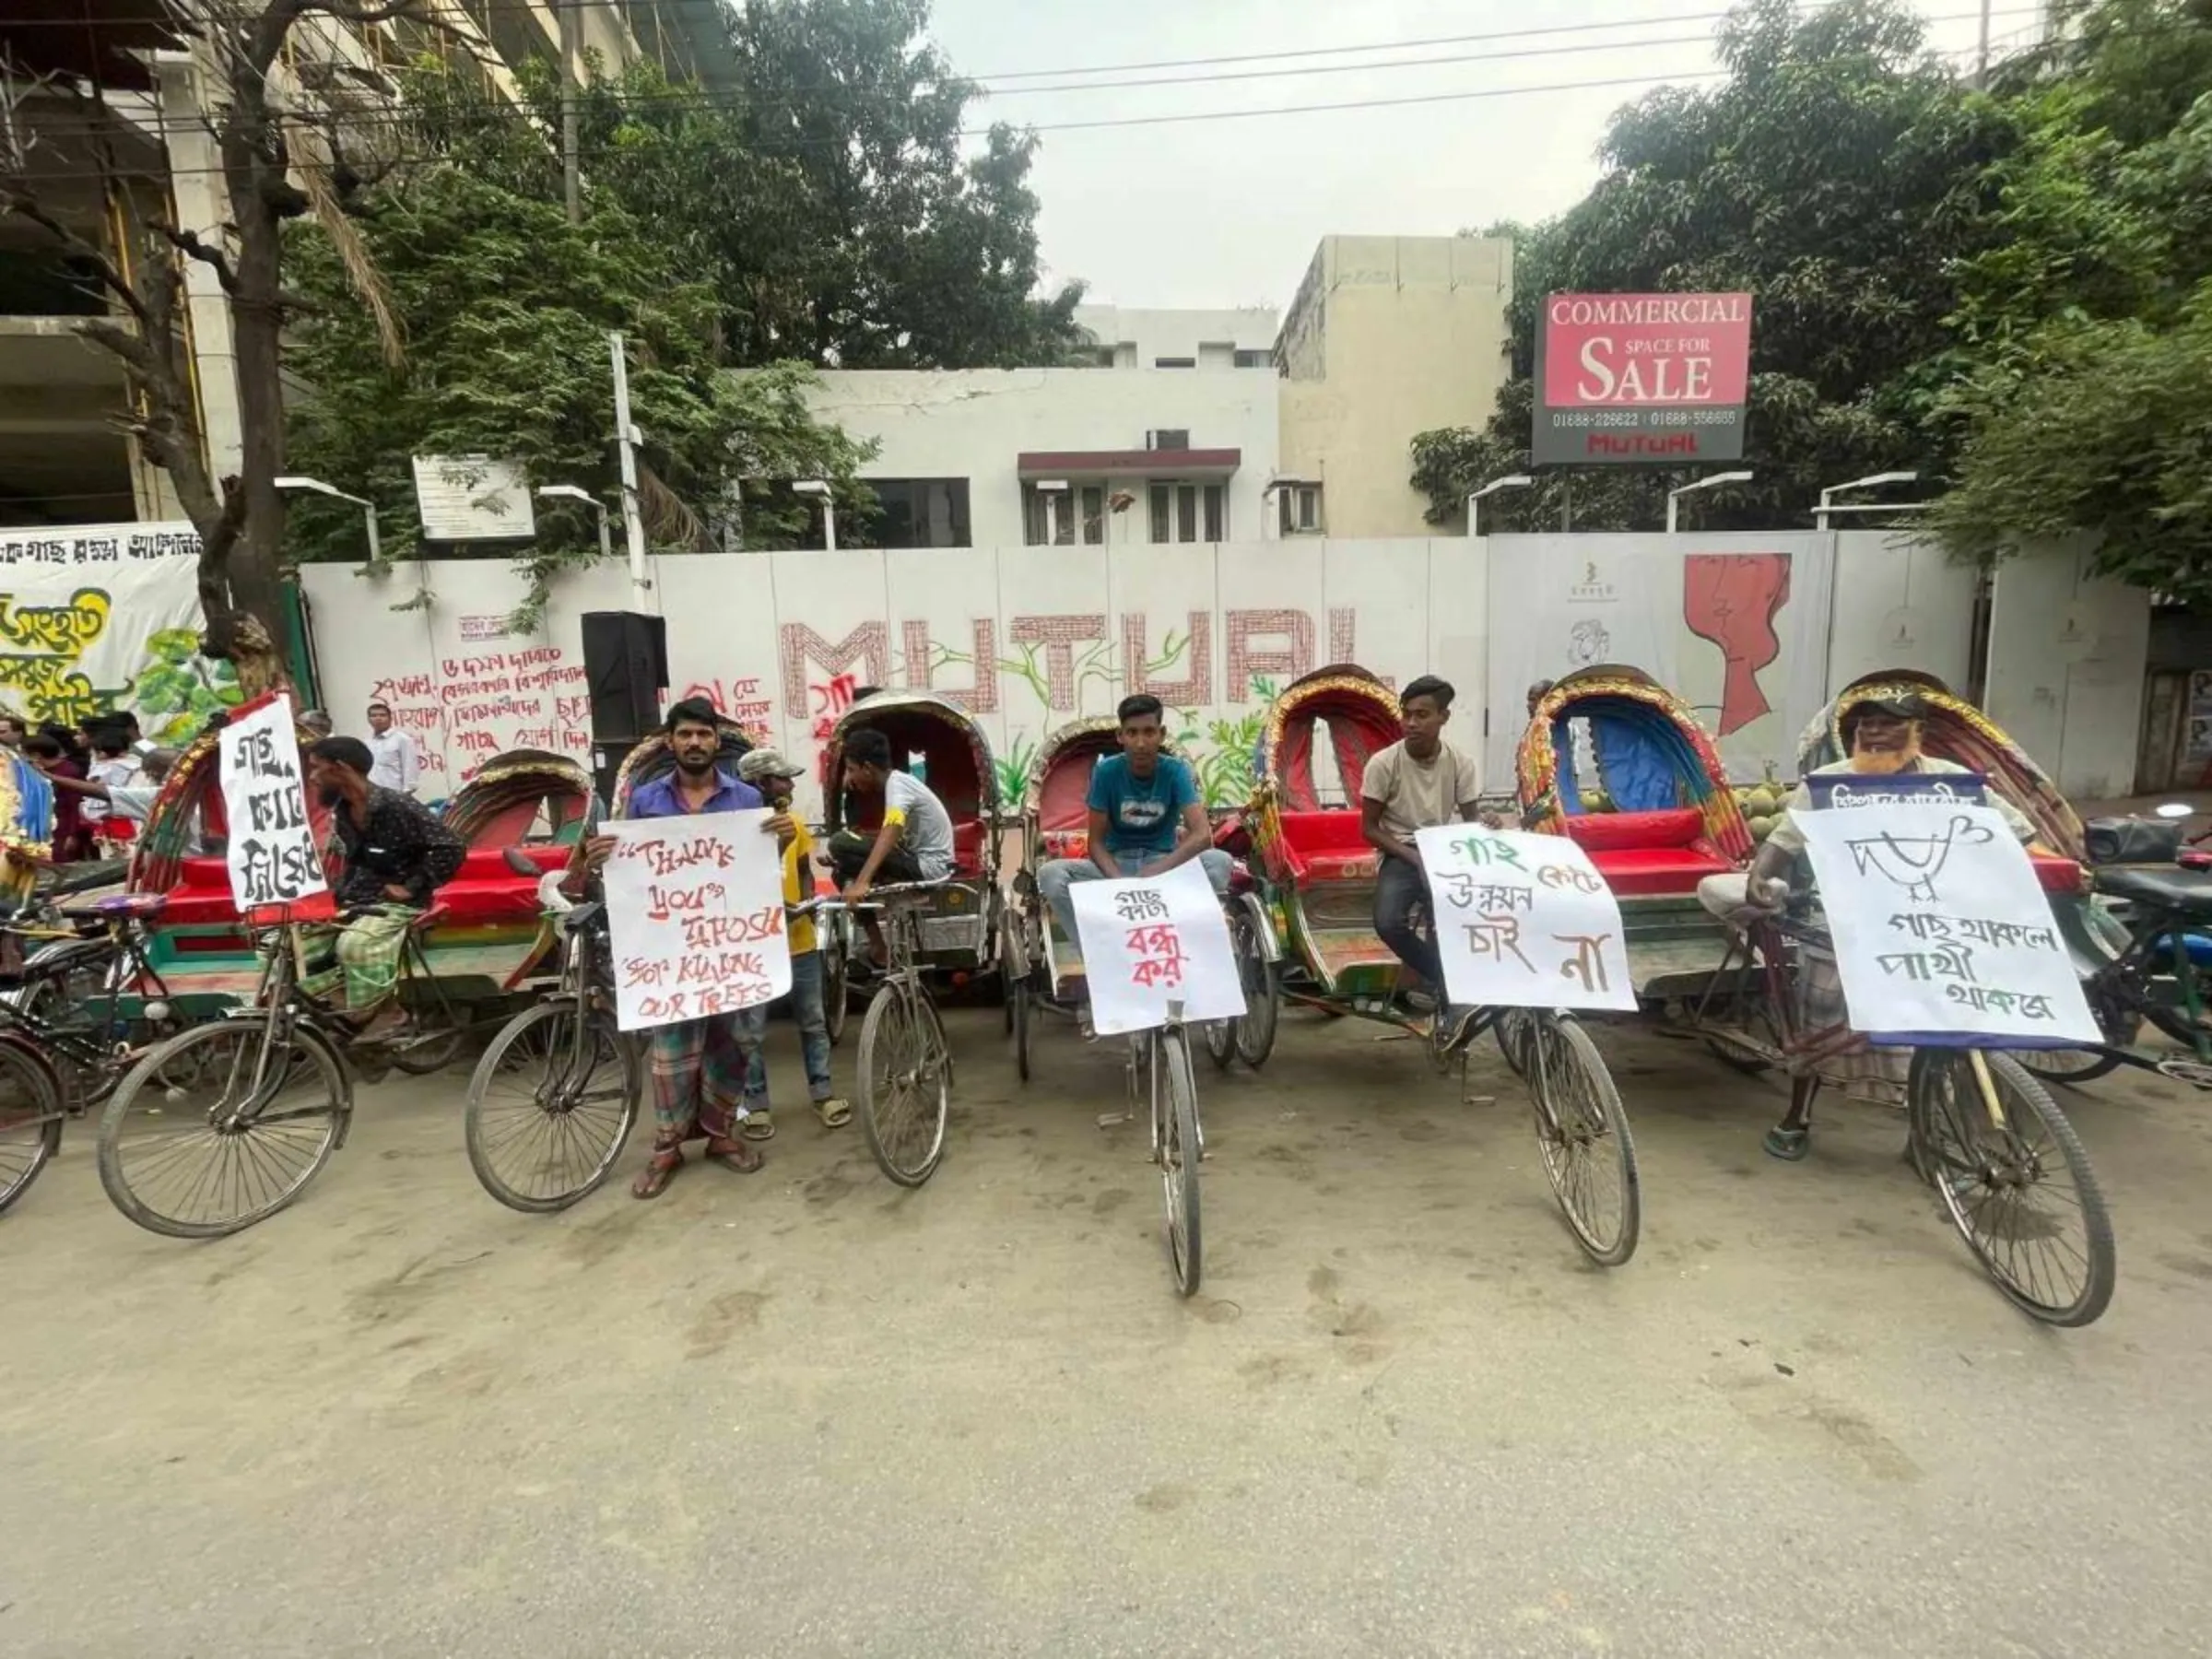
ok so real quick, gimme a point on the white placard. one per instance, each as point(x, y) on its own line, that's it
point(271, 855)
point(473, 498)
point(1154, 940)
point(696, 903)
point(1523, 921)
point(1940, 925)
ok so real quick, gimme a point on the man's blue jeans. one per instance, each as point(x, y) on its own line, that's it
point(1055, 878)
point(808, 1010)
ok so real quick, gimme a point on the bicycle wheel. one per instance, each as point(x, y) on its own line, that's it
point(1175, 1128)
point(2022, 1195)
point(1263, 993)
point(1754, 1046)
point(1582, 1136)
point(1220, 1042)
point(66, 1001)
point(2076, 1067)
point(905, 1085)
point(222, 1126)
point(1515, 1029)
point(32, 1108)
point(551, 1106)
point(441, 1030)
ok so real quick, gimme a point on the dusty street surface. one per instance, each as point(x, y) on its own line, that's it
point(806, 1412)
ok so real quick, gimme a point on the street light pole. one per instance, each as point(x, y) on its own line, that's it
point(1673, 497)
point(571, 492)
point(1512, 481)
point(626, 439)
point(820, 487)
point(316, 486)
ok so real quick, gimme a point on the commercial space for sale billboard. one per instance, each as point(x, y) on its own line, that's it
point(1641, 379)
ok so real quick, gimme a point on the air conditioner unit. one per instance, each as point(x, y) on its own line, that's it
point(1169, 438)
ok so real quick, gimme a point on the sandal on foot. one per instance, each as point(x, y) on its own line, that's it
point(1788, 1145)
point(758, 1126)
point(659, 1170)
point(732, 1155)
point(834, 1113)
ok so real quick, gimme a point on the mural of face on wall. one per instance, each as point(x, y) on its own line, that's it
point(1588, 643)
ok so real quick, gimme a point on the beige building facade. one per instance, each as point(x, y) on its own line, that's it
point(1389, 336)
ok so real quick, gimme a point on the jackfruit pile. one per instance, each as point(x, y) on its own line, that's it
point(1762, 803)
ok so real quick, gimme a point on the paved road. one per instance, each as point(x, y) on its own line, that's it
point(805, 1413)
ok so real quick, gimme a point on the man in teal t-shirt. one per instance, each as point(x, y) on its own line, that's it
point(1145, 817)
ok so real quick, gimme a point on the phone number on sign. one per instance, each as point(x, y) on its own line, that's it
point(1579, 419)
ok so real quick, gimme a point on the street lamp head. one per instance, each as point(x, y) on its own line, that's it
point(569, 492)
point(811, 486)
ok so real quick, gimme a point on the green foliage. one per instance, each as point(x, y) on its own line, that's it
point(2081, 388)
point(176, 689)
point(1835, 175)
point(507, 307)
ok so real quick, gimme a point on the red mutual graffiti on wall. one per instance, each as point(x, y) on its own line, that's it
point(1196, 687)
point(1732, 599)
point(1284, 662)
point(805, 650)
point(981, 697)
point(1059, 636)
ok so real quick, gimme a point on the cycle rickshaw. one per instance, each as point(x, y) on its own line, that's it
point(1766, 995)
point(955, 928)
point(1316, 876)
point(1043, 972)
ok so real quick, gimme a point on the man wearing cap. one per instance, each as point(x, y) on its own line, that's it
point(772, 775)
point(1882, 733)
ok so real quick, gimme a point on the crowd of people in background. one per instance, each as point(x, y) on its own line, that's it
point(106, 773)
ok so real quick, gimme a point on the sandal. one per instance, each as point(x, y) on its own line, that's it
point(758, 1126)
point(732, 1155)
point(1788, 1145)
point(835, 1113)
point(660, 1168)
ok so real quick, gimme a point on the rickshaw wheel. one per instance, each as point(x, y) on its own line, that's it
point(1018, 1019)
point(1582, 1137)
point(32, 1104)
point(438, 1048)
point(1760, 1026)
point(1221, 1043)
point(551, 1107)
point(1180, 1150)
point(905, 1085)
point(1254, 1033)
point(1991, 1179)
point(836, 988)
point(2076, 1067)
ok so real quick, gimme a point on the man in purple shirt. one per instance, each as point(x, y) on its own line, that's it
point(699, 1065)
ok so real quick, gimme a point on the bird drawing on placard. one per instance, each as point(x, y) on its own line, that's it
point(1913, 862)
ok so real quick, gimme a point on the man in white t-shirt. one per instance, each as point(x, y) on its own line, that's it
point(915, 844)
point(396, 761)
point(1416, 782)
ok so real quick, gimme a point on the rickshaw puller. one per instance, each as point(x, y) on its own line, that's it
point(1147, 817)
point(1884, 738)
point(913, 844)
point(1415, 783)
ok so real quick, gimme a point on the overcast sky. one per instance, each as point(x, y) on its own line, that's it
point(1220, 213)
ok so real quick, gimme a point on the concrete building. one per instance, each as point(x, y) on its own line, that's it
point(62, 459)
point(1389, 336)
point(1128, 338)
point(1008, 457)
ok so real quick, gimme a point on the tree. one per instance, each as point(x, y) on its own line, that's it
point(1835, 175)
point(507, 307)
point(281, 158)
point(821, 187)
point(2081, 363)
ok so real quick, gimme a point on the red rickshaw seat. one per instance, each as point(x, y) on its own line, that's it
point(1647, 872)
point(1328, 846)
point(967, 838)
point(484, 891)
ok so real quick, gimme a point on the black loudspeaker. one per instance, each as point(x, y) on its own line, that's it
point(625, 669)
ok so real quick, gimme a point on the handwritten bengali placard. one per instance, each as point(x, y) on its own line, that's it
point(1152, 940)
point(1940, 926)
point(696, 905)
point(1523, 921)
point(275, 867)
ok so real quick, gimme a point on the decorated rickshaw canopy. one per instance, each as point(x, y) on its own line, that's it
point(1652, 754)
point(518, 791)
point(651, 757)
point(955, 752)
point(1361, 714)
